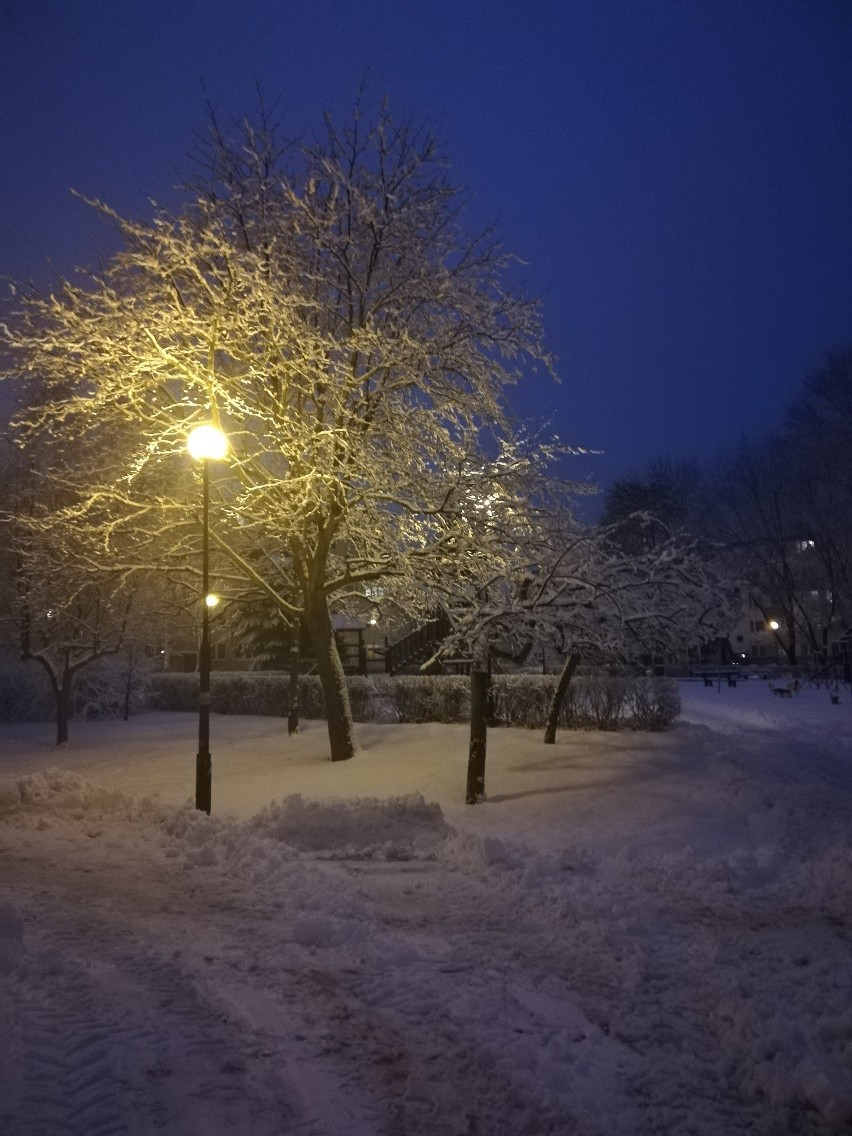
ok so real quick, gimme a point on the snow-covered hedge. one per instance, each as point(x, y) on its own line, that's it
point(597, 702)
point(592, 702)
point(25, 694)
point(654, 703)
point(100, 690)
point(373, 698)
point(431, 698)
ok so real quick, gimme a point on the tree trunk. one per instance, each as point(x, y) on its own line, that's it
point(480, 683)
point(558, 697)
point(61, 685)
point(62, 689)
point(341, 732)
point(128, 686)
point(293, 699)
point(790, 646)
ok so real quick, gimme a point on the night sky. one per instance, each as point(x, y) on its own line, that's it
point(675, 174)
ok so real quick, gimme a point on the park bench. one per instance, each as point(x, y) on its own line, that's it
point(709, 679)
point(784, 691)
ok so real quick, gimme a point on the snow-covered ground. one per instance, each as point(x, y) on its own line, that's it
point(634, 934)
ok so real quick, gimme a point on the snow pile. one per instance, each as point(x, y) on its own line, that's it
point(32, 798)
point(401, 828)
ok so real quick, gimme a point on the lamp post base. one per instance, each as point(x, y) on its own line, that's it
point(203, 781)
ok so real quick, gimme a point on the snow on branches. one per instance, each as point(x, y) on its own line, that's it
point(324, 306)
point(584, 595)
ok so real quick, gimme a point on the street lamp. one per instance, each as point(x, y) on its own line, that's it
point(205, 443)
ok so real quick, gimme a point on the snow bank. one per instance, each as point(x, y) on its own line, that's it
point(399, 828)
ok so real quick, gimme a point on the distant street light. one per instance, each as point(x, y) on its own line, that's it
point(205, 443)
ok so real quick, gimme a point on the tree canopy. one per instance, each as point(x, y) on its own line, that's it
point(323, 304)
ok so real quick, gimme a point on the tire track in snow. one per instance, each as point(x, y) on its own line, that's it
point(167, 1057)
point(611, 967)
point(135, 1029)
point(69, 1078)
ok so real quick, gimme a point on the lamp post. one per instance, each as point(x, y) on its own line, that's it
point(205, 443)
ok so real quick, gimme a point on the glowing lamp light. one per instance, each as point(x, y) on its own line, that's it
point(774, 624)
point(207, 442)
point(211, 599)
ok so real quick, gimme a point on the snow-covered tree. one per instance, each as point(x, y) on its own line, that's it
point(780, 508)
point(323, 304)
point(780, 505)
point(586, 598)
point(610, 606)
point(816, 441)
point(664, 497)
point(54, 610)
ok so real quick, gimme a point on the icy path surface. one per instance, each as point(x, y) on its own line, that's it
point(668, 952)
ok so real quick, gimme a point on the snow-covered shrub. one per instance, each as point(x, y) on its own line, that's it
point(606, 700)
point(408, 698)
point(577, 710)
point(395, 828)
point(362, 695)
point(592, 702)
point(654, 703)
point(522, 700)
point(174, 691)
point(371, 697)
point(311, 700)
point(431, 698)
point(25, 694)
point(266, 693)
point(101, 690)
point(242, 692)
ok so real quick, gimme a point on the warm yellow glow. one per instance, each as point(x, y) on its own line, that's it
point(207, 441)
point(211, 600)
point(774, 624)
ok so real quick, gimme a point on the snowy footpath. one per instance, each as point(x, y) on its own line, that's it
point(634, 934)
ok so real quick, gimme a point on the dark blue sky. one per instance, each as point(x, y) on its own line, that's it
point(677, 174)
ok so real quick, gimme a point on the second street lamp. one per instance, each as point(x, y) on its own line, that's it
point(205, 443)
